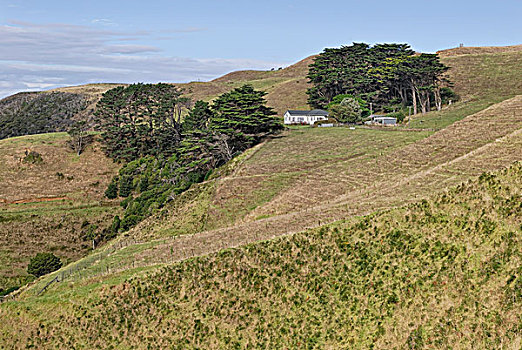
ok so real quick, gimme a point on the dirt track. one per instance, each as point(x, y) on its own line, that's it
point(32, 200)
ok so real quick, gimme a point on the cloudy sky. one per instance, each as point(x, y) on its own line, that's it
point(45, 44)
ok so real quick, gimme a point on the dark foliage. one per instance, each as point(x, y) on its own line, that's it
point(208, 137)
point(390, 76)
point(32, 157)
point(140, 120)
point(38, 113)
point(112, 190)
point(43, 263)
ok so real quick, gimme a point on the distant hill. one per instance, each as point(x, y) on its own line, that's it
point(30, 113)
point(286, 88)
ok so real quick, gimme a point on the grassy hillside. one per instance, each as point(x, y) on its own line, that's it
point(442, 272)
point(439, 273)
point(481, 76)
point(337, 189)
point(43, 205)
point(286, 88)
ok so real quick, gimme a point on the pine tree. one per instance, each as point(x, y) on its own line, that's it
point(243, 115)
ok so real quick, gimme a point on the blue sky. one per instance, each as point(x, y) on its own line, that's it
point(44, 44)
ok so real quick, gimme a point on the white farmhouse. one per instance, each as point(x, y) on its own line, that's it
point(305, 117)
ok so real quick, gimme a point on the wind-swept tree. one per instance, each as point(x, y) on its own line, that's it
point(389, 75)
point(140, 119)
point(242, 114)
point(346, 70)
point(198, 118)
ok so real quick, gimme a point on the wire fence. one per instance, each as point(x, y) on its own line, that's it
point(79, 269)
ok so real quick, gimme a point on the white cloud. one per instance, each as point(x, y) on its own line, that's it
point(41, 56)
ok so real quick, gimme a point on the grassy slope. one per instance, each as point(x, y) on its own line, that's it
point(443, 272)
point(39, 211)
point(286, 88)
point(266, 195)
point(485, 141)
point(482, 77)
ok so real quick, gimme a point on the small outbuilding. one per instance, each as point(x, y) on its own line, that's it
point(381, 120)
point(304, 117)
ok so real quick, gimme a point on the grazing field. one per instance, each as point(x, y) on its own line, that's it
point(482, 77)
point(335, 189)
point(316, 238)
point(44, 204)
point(438, 273)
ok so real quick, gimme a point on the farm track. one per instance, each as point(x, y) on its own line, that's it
point(432, 164)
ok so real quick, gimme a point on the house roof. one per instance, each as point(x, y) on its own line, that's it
point(385, 118)
point(315, 112)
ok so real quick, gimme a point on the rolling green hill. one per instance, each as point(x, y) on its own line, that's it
point(443, 272)
point(332, 243)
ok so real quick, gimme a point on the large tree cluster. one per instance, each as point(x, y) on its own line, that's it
point(390, 76)
point(168, 146)
point(29, 113)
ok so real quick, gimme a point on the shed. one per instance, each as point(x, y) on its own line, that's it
point(381, 120)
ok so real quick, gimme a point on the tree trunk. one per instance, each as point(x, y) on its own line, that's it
point(438, 99)
point(414, 98)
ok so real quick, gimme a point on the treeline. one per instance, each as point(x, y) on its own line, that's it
point(167, 145)
point(37, 113)
point(390, 76)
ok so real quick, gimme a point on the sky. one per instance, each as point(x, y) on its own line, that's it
point(51, 43)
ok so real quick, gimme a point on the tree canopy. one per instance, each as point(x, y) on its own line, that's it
point(389, 76)
point(43, 263)
point(141, 119)
point(183, 151)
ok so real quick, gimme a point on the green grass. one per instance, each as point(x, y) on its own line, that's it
point(438, 120)
point(439, 273)
point(269, 171)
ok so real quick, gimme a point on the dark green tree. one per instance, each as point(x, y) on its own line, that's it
point(43, 263)
point(198, 118)
point(243, 116)
point(346, 70)
point(126, 185)
point(112, 190)
point(141, 119)
point(212, 135)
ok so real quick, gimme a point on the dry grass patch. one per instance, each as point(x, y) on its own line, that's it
point(439, 273)
point(43, 205)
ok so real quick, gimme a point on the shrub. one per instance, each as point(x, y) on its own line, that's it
point(43, 263)
point(129, 221)
point(116, 222)
point(348, 111)
point(126, 185)
point(33, 157)
point(112, 190)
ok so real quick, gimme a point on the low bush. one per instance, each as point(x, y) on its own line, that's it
point(43, 263)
